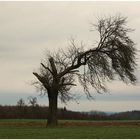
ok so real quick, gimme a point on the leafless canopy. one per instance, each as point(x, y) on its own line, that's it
point(32, 101)
point(21, 103)
point(113, 55)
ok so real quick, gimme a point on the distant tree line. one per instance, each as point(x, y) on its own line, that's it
point(37, 112)
point(34, 111)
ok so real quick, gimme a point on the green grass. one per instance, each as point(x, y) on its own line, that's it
point(69, 132)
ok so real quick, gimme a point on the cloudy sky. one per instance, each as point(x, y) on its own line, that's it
point(28, 29)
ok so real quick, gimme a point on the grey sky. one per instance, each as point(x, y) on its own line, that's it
point(27, 29)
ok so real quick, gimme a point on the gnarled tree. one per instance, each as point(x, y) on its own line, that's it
point(113, 56)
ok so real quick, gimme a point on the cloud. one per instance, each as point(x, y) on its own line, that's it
point(103, 105)
point(27, 29)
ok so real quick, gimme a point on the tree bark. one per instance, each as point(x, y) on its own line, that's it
point(52, 114)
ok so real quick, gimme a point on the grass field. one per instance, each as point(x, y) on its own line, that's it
point(69, 129)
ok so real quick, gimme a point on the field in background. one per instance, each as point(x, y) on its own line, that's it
point(29, 128)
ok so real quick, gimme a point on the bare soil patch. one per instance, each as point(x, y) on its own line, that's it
point(72, 123)
point(102, 123)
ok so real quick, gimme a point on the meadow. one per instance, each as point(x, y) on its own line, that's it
point(69, 129)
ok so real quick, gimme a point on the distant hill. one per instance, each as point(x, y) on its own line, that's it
point(132, 115)
point(95, 112)
point(127, 115)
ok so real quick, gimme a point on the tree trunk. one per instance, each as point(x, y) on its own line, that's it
point(52, 114)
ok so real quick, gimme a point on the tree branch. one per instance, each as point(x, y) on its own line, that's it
point(46, 68)
point(42, 80)
point(67, 84)
point(54, 70)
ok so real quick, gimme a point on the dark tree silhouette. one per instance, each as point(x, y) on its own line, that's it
point(32, 101)
point(113, 56)
point(21, 103)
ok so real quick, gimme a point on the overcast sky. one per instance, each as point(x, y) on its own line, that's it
point(27, 29)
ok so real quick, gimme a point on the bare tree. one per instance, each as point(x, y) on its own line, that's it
point(113, 56)
point(32, 101)
point(21, 103)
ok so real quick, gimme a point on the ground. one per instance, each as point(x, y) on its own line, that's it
point(36, 129)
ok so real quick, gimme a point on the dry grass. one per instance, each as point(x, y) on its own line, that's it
point(71, 123)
